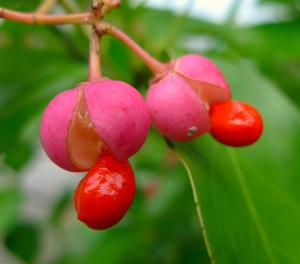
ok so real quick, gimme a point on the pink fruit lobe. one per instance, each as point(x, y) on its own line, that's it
point(177, 111)
point(203, 76)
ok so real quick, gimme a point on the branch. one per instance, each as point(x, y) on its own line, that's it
point(153, 64)
point(43, 19)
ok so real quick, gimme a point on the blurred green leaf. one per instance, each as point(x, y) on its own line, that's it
point(18, 155)
point(59, 208)
point(10, 201)
point(118, 61)
point(20, 4)
point(282, 41)
point(23, 241)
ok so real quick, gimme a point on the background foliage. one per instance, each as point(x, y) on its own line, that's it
point(250, 197)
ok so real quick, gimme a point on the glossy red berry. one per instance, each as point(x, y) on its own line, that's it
point(235, 123)
point(105, 194)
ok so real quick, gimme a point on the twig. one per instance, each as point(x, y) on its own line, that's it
point(43, 19)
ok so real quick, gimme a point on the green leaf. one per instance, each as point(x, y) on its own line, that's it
point(10, 200)
point(250, 197)
point(118, 61)
point(20, 4)
point(18, 155)
point(59, 208)
point(23, 241)
point(283, 66)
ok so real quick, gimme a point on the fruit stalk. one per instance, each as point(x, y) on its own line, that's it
point(94, 57)
point(153, 64)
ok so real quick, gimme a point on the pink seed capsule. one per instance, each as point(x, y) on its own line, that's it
point(177, 111)
point(95, 117)
point(179, 98)
point(204, 77)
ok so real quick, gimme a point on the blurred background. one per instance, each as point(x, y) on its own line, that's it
point(250, 197)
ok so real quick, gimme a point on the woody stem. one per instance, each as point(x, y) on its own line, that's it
point(44, 19)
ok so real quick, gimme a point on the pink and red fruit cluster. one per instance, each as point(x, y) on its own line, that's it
point(100, 124)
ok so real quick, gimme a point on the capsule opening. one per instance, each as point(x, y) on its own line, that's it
point(84, 143)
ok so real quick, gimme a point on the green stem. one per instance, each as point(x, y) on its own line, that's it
point(171, 145)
